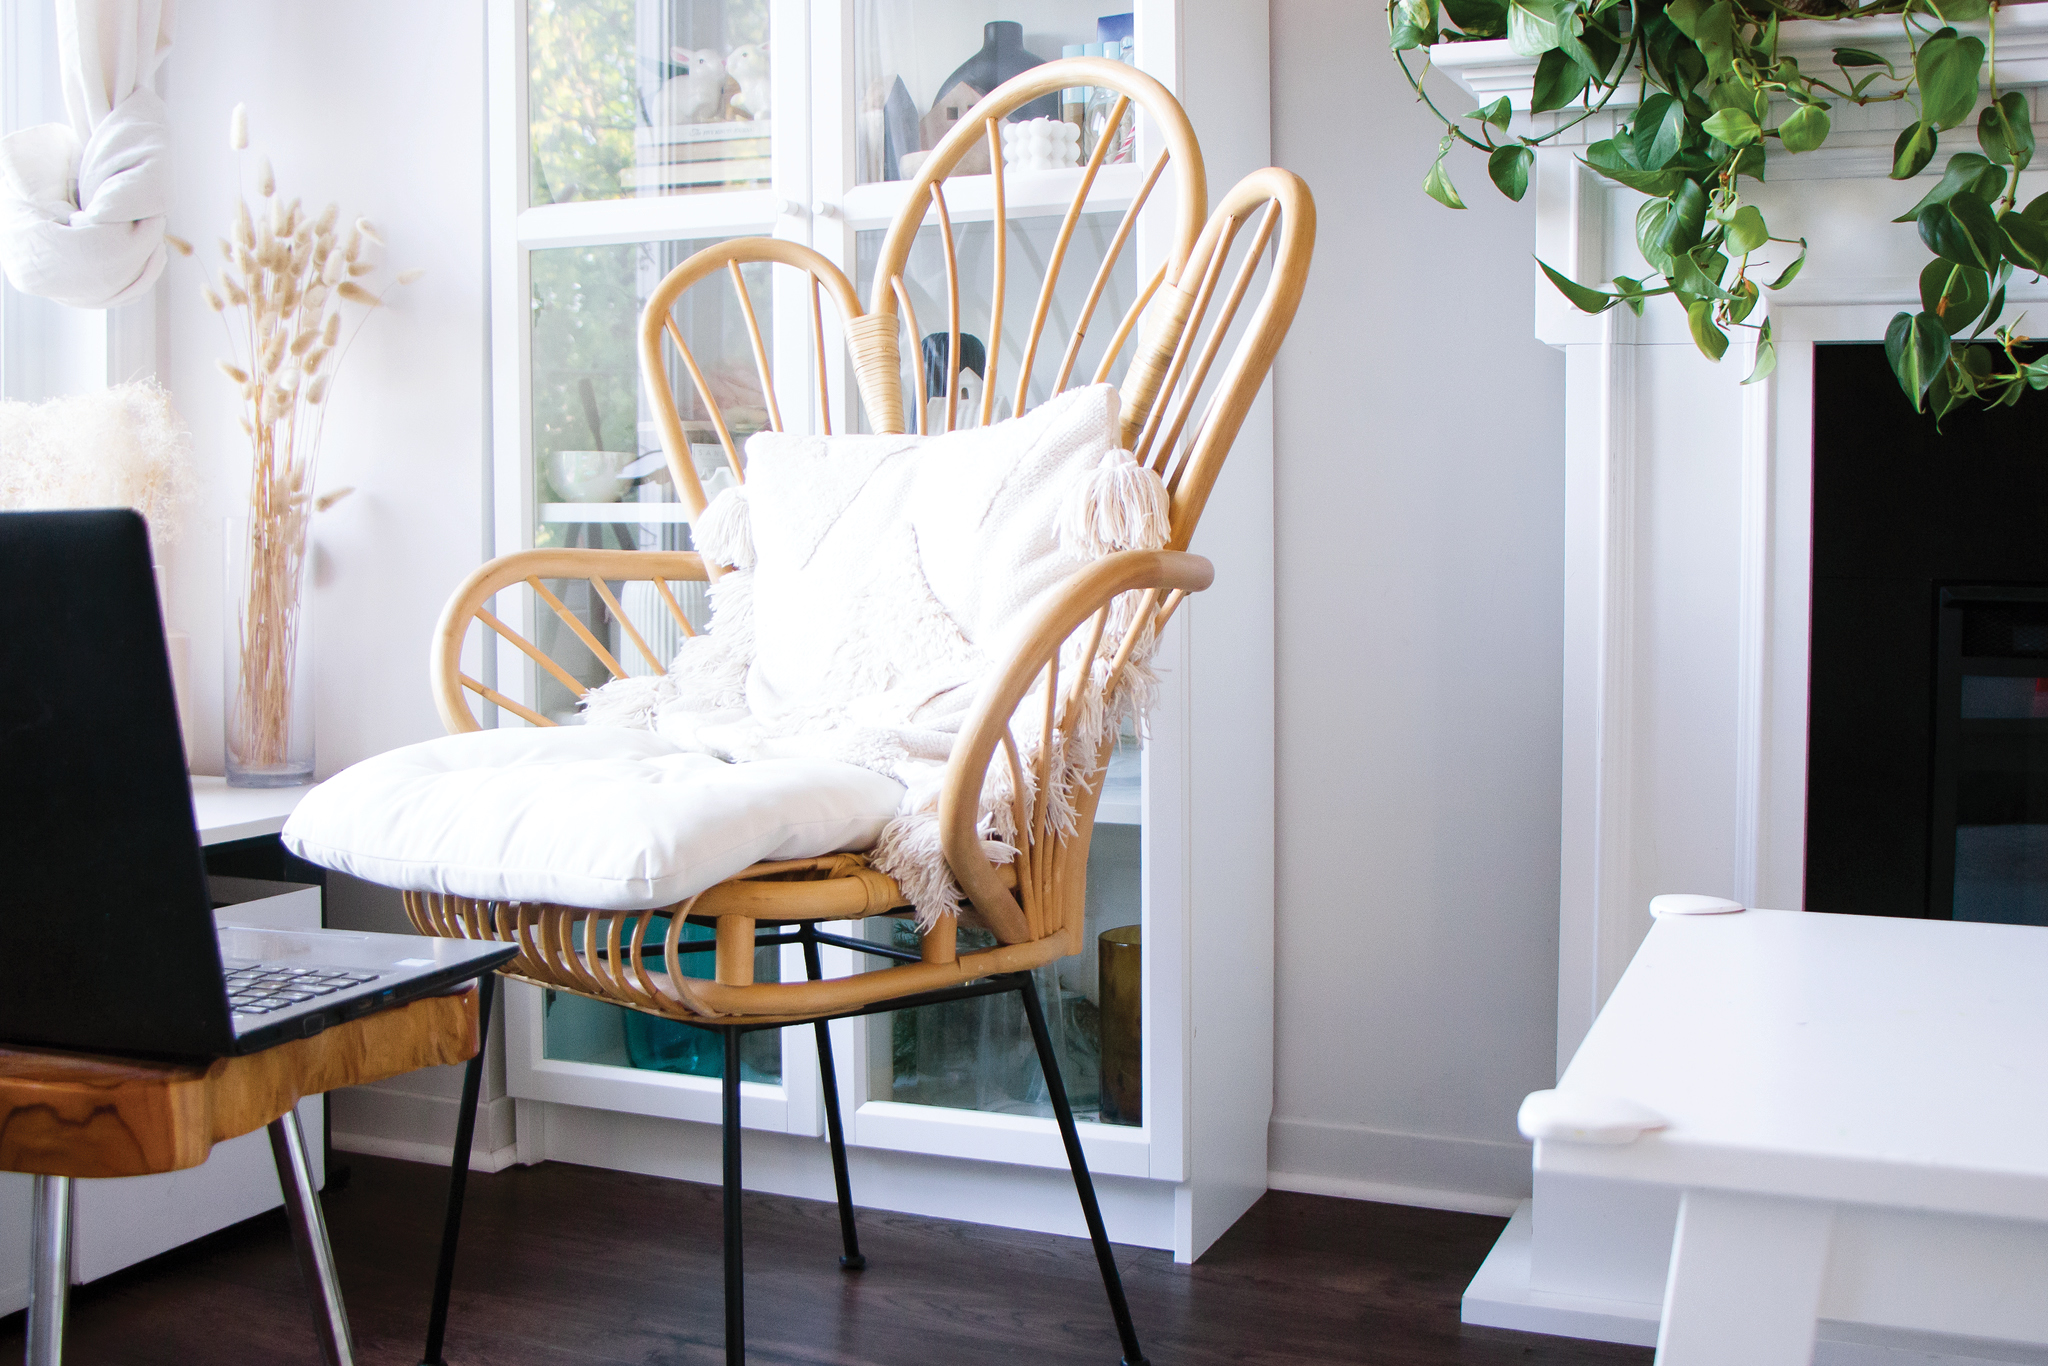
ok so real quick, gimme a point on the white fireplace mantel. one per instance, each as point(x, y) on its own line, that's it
point(1687, 517)
point(1688, 530)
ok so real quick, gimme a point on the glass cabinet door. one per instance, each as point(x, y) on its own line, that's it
point(637, 98)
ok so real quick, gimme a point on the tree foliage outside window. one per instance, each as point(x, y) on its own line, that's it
point(583, 99)
point(1718, 100)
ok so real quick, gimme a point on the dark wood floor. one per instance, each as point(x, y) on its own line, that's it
point(568, 1265)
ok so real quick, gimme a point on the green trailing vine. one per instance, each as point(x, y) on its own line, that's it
point(1712, 82)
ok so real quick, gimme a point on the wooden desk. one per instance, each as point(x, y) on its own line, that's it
point(1856, 1130)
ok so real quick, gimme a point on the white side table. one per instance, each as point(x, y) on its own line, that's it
point(238, 813)
point(1856, 1120)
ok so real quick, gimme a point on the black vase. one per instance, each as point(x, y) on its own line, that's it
point(1002, 56)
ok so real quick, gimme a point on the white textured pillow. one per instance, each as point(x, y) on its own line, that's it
point(592, 816)
point(852, 532)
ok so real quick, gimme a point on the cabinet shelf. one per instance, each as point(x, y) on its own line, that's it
point(971, 198)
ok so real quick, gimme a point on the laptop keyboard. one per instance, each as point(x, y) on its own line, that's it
point(261, 988)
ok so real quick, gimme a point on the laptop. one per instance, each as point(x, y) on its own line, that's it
point(107, 934)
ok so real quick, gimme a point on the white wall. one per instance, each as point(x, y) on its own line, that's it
point(1420, 512)
point(378, 106)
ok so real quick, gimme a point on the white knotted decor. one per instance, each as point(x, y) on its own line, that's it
point(82, 203)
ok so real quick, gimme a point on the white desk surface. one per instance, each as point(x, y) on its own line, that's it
point(1831, 1057)
point(238, 813)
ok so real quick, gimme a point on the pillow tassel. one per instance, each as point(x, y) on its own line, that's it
point(1118, 505)
point(724, 530)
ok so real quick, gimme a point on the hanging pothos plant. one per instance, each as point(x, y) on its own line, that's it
point(1713, 81)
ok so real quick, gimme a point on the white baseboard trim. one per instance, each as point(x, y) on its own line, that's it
point(1386, 1193)
point(434, 1154)
point(1432, 1171)
point(421, 1128)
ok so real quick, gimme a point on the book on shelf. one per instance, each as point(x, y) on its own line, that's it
point(738, 149)
point(680, 134)
point(684, 174)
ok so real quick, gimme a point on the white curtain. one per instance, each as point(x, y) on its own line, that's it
point(82, 203)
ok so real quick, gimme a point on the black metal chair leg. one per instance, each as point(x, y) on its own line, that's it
point(458, 1173)
point(735, 1286)
point(835, 1127)
point(1056, 1087)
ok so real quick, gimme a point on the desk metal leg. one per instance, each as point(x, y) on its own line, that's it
point(1745, 1280)
point(309, 1234)
point(49, 1283)
point(458, 1172)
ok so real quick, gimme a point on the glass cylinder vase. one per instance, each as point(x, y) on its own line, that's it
point(267, 628)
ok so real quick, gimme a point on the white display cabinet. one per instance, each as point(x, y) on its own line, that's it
point(612, 160)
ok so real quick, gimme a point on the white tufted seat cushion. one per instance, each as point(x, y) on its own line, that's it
point(590, 816)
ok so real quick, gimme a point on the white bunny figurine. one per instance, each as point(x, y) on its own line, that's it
point(694, 96)
point(748, 64)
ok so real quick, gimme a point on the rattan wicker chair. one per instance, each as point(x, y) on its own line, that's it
point(1180, 414)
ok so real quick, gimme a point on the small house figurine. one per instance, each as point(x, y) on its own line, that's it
point(948, 109)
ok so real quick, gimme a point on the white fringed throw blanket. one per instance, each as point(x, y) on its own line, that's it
point(879, 583)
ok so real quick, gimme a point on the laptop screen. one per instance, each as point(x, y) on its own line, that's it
point(106, 937)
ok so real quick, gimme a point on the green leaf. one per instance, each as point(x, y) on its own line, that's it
point(1710, 339)
point(1558, 82)
point(1479, 18)
point(1685, 15)
point(1657, 131)
point(1966, 173)
point(1509, 167)
point(1534, 26)
point(1413, 24)
point(1917, 349)
point(1766, 355)
point(1964, 11)
point(1746, 231)
point(1913, 150)
point(1666, 228)
point(1749, 161)
point(1993, 309)
point(1963, 231)
point(1733, 127)
point(1805, 128)
point(1791, 272)
point(1584, 299)
point(1714, 32)
point(1438, 186)
point(1946, 69)
point(2037, 208)
point(1953, 295)
point(2026, 240)
point(1498, 113)
point(1612, 158)
point(1743, 300)
point(2006, 132)
point(1695, 278)
point(1856, 56)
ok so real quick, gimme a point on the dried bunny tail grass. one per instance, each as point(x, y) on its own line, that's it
point(238, 128)
point(233, 371)
point(213, 300)
point(245, 228)
point(177, 244)
point(336, 268)
point(331, 497)
point(119, 447)
point(324, 224)
point(332, 330)
point(317, 390)
point(406, 277)
point(360, 267)
point(369, 230)
point(356, 294)
point(266, 182)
